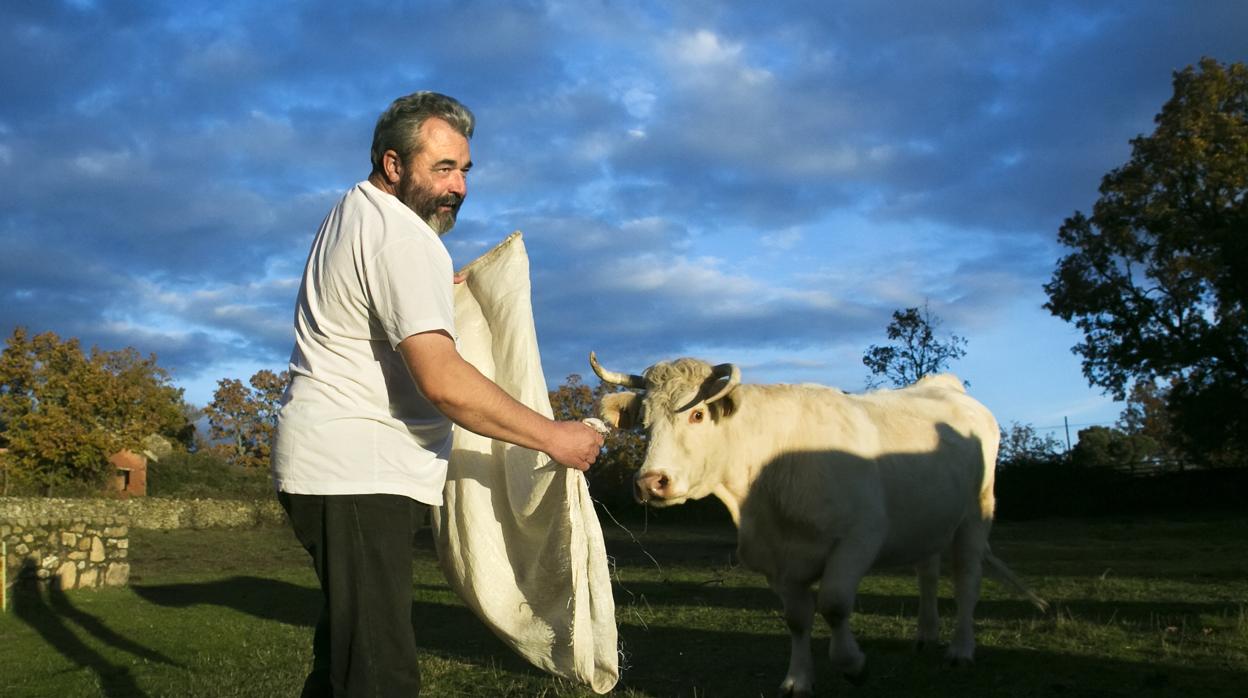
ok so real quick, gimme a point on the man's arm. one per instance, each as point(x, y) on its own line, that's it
point(477, 404)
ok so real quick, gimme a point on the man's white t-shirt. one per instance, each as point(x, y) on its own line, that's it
point(352, 420)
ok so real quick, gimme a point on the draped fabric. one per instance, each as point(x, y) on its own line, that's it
point(517, 536)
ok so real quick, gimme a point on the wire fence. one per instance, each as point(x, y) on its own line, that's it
point(1066, 434)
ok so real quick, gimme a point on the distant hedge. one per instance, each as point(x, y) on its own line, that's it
point(205, 475)
point(1051, 489)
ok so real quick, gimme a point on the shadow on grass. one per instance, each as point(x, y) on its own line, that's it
point(441, 629)
point(681, 661)
point(48, 610)
point(267, 599)
point(663, 657)
point(664, 596)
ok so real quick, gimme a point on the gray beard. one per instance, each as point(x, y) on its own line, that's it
point(425, 204)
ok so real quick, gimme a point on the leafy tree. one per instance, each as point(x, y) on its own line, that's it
point(1105, 447)
point(611, 476)
point(1157, 277)
point(574, 400)
point(1147, 414)
point(1020, 444)
point(242, 418)
point(1146, 411)
point(915, 351)
point(66, 412)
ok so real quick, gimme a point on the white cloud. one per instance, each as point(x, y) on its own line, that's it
point(704, 58)
point(639, 101)
point(222, 57)
point(704, 48)
point(682, 277)
point(105, 165)
point(785, 239)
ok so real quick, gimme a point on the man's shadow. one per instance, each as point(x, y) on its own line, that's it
point(47, 609)
point(260, 597)
point(443, 629)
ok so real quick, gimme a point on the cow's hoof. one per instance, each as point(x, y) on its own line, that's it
point(789, 689)
point(859, 678)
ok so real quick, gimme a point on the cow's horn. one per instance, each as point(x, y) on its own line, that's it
point(729, 371)
point(627, 380)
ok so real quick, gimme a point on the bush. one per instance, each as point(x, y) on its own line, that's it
point(19, 484)
point(1057, 488)
point(206, 475)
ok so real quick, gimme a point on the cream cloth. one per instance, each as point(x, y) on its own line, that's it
point(517, 536)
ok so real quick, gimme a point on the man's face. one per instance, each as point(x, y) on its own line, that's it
point(434, 182)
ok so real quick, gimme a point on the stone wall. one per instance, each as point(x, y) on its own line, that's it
point(67, 550)
point(82, 543)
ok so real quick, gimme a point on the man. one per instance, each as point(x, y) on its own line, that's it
point(364, 431)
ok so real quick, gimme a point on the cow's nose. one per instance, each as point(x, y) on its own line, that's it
point(652, 486)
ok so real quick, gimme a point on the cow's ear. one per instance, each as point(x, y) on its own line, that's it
point(620, 410)
point(724, 407)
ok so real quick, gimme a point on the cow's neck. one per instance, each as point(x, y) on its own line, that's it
point(731, 501)
point(769, 422)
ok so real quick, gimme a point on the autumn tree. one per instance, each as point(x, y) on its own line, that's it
point(1157, 275)
point(1021, 444)
point(65, 412)
point(611, 476)
point(242, 418)
point(916, 351)
point(1148, 415)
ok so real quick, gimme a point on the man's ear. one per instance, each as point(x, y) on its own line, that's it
point(392, 166)
point(621, 410)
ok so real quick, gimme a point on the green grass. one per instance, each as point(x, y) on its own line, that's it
point(1142, 608)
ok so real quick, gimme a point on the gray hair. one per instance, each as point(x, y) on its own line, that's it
point(398, 128)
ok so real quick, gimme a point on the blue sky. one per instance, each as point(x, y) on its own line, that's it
point(762, 183)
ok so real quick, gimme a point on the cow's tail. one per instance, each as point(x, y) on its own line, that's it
point(999, 571)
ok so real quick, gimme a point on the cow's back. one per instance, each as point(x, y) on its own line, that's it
point(905, 465)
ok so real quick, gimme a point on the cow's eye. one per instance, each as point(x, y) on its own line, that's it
point(696, 416)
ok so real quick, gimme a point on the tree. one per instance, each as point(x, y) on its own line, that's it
point(611, 476)
point(1147, 414)
point(915, 352)
point(1157, 278)
point(242, 419)
point(65, 412)
point(1020, 444)
point(1105, 447)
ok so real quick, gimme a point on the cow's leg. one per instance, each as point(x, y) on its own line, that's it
point(968, 569)
point(799, 616)
point(845, 568)
point(928, 634)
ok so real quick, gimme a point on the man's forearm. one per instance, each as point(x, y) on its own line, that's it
point(467, 397)
point(477, 404)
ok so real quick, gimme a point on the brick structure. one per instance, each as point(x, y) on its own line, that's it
point(131, 475)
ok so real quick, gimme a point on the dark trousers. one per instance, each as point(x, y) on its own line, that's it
point(361, 547)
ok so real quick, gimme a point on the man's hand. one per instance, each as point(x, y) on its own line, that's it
point(574, 444)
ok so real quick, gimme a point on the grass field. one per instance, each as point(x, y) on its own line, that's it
point(1142, 608)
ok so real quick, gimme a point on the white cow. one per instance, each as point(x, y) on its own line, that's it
point(823, 486)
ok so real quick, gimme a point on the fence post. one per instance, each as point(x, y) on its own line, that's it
point(4, 577)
